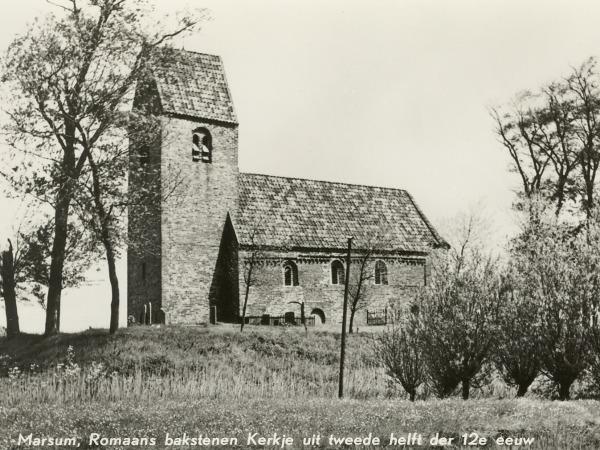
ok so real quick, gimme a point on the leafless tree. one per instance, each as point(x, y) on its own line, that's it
point(518, 350)
point(254, 258)
point(399, 351)
point(552, 137)
point(361, 275)
point(458, 312)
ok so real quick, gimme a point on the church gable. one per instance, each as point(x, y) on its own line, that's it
point(283, 212)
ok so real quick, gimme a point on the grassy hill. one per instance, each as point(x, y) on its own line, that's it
point(214, 381)
point(171, 349)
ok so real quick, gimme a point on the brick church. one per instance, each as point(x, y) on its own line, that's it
point(198, 245)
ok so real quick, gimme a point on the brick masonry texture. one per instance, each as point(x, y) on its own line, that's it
point(193, 219)
point(197, 223)
point(269, 295)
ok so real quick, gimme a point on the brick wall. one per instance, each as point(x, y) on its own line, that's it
point(144, 232)
point(194, 216)
point(270, 296)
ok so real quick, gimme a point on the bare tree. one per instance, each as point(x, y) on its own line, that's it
point(360, 277)
point(255, 256)
point(583, 87)
point(519, 132)
point(552, 137)
point(458, 313)
point(518, 350)
point(399, 351)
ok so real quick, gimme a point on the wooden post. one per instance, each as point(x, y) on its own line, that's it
point(343, 343)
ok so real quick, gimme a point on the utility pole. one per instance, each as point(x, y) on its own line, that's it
point(343, 350)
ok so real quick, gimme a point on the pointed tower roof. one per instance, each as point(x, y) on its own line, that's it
point(192, 84)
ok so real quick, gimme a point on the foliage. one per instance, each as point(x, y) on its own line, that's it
point(33, 270)
point(69, 79)
point(559, 265)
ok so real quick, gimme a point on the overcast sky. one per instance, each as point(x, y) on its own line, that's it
point(388, 92)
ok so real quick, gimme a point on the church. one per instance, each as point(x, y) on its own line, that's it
point(229, 238)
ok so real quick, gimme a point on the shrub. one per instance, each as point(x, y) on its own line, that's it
point(398, 350)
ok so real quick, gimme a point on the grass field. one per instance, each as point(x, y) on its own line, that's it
point(147, 382)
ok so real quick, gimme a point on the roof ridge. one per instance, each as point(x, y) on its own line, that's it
point(326, 181)
point(195, 52)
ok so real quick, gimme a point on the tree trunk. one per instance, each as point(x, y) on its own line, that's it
point(351, 325)
point(466, 384)
point(246, 299)
point(8, 287)
point(522, 389)
point(104, 218)
point(114, 287)
point(61, 216)
point(303, 317)
point(564, 391)
point(412, 394)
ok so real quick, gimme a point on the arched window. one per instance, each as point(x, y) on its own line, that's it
point(290, 273)
point(201, 145)
point(337, 272)
point(380, 273)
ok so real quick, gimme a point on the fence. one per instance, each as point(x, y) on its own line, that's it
point(377, 317)
point(267, 319)
point(383, 316)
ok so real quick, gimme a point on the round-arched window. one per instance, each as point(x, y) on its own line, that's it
point(201, 145)
point(381, 273)
point(290, 273)
point(337, 272)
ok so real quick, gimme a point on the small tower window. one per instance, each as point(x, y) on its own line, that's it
point(290, 273)
point(380, 273)
point(201, 146)
point(337, 272)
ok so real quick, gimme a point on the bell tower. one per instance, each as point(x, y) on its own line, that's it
point(172, 270)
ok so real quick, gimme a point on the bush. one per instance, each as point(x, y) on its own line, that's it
point(399, 352)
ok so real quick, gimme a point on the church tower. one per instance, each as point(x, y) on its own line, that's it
point(185, 180)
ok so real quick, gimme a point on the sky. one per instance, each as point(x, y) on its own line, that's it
point(389, 92)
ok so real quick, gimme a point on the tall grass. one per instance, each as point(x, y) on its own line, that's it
point(148, 382)
point(292, 381)
point(145, 365)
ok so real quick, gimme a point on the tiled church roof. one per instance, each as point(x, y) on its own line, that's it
point(298, 213)
point(193, 84)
